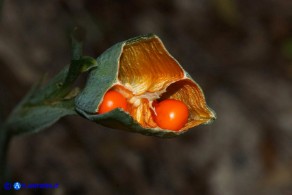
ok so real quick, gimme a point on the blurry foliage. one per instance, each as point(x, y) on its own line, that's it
point(227, 11)
point(287, 48)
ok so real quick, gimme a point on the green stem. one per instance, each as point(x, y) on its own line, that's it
point(43, 106)
point(75, 68)
point(39, 98)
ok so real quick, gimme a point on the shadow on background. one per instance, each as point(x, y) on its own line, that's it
point(240, 52)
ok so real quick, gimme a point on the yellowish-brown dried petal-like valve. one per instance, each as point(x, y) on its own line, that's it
point(143, 71)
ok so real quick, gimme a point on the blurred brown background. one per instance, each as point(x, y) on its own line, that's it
point(239, 51)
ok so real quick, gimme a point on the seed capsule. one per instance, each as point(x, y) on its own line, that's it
point(143, 71)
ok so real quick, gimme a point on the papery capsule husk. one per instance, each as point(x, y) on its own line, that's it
point(143, 71)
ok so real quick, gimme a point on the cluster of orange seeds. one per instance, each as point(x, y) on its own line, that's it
point(168, 114)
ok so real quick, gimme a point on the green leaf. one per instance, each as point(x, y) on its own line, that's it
point(44, 105)
point(31, 119)
point(77, 38)
point(48, 91)
point(88, 63)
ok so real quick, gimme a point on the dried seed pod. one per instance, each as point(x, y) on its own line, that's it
point(143, 71)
